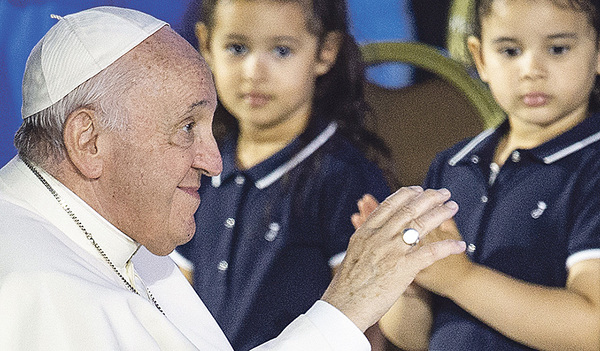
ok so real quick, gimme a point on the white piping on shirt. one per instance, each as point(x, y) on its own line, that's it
point(582, 256)
point(572, 148)
point(336, 259)
point(547, 160)
point(308, 150)
point(298, 158)
point(215, 181)
point(465, 150)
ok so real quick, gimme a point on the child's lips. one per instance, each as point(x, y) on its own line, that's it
point(256, 99)
point(535, 99)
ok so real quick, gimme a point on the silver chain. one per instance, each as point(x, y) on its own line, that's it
point(88, 235)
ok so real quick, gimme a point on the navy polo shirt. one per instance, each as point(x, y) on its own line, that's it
point(537, 216)
point(265, 235)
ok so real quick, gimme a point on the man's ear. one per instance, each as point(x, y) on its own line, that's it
point(330, 48)
point(81, 141)
point(203, 37)
point(474, 45)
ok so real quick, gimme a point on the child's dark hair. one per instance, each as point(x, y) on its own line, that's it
point(339, 94)
point(591, 8)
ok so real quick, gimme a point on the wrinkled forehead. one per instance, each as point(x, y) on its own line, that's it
point(166, 73)
point(166, 56)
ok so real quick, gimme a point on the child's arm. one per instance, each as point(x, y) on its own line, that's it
point(408, 323)
point(541, 317)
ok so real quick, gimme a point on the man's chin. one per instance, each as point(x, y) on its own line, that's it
point(189, 232)
point(161, 251)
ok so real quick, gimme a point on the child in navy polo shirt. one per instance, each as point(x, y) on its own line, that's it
point(272, 226)
point(528, 193)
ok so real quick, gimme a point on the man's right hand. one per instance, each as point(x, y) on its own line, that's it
point(379, 266)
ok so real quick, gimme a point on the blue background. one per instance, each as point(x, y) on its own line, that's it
point(24, 23)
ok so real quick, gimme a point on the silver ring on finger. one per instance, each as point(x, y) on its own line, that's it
point(410, 236)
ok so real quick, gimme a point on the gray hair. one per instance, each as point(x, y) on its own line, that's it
point(40, 137)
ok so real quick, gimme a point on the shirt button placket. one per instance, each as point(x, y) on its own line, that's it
point(223, 266)
point(239, 180)
point(515, 156)
point(230, 223)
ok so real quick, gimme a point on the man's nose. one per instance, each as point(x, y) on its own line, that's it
point(208, 158)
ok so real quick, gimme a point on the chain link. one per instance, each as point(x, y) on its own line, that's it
point(89, 236)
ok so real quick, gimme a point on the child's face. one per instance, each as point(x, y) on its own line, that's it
point(540, 61)
point(265, 62)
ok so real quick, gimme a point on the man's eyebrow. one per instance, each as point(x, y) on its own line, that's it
point(196, 104)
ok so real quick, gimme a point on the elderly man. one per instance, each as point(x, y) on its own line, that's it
point(117, 115)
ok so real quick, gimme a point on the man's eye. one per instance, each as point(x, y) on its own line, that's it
point(188, 127)
point(236, 49)
point(184, 136)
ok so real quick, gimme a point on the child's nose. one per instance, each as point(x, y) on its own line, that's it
point(255, 67)
point(533, 66)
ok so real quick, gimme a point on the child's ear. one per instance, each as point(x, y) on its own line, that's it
point(203, 40)
point(598, 59)
point(474, 45)
point(330, 47)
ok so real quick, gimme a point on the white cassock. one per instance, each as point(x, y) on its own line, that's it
point(58, 293)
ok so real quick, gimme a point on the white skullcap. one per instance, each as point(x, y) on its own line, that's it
point(77, 48)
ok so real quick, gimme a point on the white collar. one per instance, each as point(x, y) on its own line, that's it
point(294, 161)
point(24, 187)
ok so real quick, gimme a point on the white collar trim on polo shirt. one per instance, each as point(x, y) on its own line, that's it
point(470, 146)
point(572, 148)
point(303, 154)
point(547, 160)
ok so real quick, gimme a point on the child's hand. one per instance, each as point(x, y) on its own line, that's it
point(443, 275)
point(366, 205)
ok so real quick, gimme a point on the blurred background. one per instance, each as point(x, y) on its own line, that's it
point(24, 22)
point(423, 91)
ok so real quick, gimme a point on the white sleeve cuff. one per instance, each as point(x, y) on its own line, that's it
point(582, 256)
point(340, 331)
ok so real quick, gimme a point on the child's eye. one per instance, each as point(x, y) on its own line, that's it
point(236, 49)
point(283, 51)
point(511, 52)
point(559, 50)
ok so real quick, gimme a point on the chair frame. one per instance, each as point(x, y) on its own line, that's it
point(431, 59)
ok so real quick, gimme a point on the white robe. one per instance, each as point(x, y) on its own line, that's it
point(58, 293)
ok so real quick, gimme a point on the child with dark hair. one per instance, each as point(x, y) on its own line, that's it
point(289, 78)
point(527, 192)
